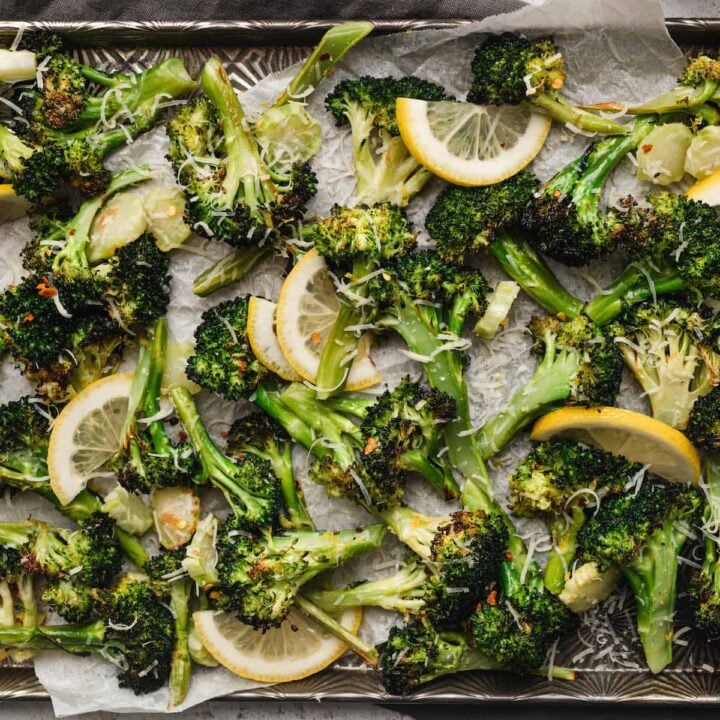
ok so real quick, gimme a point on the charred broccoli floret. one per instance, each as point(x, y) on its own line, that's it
point(385, 171)
point(666, 345)
point(261, 575)
point(579, 365)
point(509, 69)
point(355, 242)
point(467, 220)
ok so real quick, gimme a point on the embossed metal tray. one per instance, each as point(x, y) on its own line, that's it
point(251, 50)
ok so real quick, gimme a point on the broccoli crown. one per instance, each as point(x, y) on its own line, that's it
point(416, 653)
point(90, 555)
point(374, 98)
point(224, 361)
point(373, 234)
point(704, 423)
point(679, 233)
point(253, 491)
point(139, 634)
point(373, 484)
point(258, 433)
point(21, 425)
point(138, 282)
point(508, 68)
point(599, 362)
point(704, 604)
point(518, 631)
point(163, 566)
point(260, 575)
point(616, 534)
point(669, 347)
point(555, 470)
point(699, 70)
point(74, 603)
point(11, 563)
point(464, 220)
point(224, 202)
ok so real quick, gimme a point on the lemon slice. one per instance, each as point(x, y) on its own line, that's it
point(469, 144)
point(297, 649)
point(637, 437)
point(263, 339)
point(86, 434)
point(706, 190)
point(12, 206)
point(305, 313)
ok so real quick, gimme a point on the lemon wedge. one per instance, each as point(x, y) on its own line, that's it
point(637, 437)
point(12, 206)
point(706, 190)
point(469, 144)
point(297, 649)
point(86, 434)
point(263, 339)
point(305, 314)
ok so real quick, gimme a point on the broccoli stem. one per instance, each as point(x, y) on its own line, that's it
point(151, 400)
point(293, 500)
point(141, 94)
point(551, 383)
point(412, 528)
point(520, 261)
point(231, 269)
point(246, 173)
point(181, 666)
point(711, 561)
point(367, 653)
point(337, 352)
point(634, 285)
point(564, 532)
point(652, 577)
point(441, 478)
point(561, 110)
point(679, 99)
point(332, 47)
point(390, 593)
point(354, 405)
point(70, 638)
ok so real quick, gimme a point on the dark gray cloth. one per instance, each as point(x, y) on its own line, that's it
point(71, 10)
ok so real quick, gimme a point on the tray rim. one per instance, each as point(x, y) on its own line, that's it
point(19, 684)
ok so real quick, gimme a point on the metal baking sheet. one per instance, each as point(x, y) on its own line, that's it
point(251, 50)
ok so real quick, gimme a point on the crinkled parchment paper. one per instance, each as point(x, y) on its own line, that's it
point(614, 50)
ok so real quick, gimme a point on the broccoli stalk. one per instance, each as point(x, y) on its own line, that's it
point(258, 435)
point(136, 632)
point(579, 364)
point(230, 269)
point(564, 219)
point(510, 69)
point(250, 486)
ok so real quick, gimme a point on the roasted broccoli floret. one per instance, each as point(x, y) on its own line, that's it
point(148, 458)
point(65, 129)
point(509, 69)
point(579, 365)
point(135, 630)
point(564, 220)
point(703, 427)
point(250, 486)
point(385, 171)
point(458, 555)
point(642, 532)
point(355, 242)
point(233, 193)
point(224, 361)
point(257, 434)
point(556, 482)
point(467, 220)
point(261, 575)
point(671, 247)
point(90, 555)
point(668, 347)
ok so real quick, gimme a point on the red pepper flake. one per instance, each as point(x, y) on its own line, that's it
point(183, 435)
point(325, 57)
point(315, 337)
point(557, 83)
point(492, 598)
point(29, 317)
point(508, 555)
point(45, 290)
point(224, 433)
point(646, 148)
point(556, 194)
point(371, 445)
